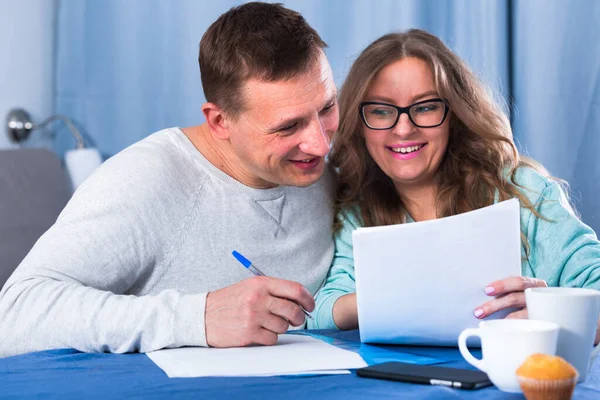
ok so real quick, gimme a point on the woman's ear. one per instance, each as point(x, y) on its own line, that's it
point(216, 120)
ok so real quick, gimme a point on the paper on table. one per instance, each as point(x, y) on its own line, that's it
point(419, 283)
point(316, 372)
point(293, 354)
point(377, 354)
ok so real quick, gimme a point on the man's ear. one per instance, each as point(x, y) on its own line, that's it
point(216, 120)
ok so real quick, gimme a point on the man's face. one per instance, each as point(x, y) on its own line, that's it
point(283, 135)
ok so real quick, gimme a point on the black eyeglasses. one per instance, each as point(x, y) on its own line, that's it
point(423, 114)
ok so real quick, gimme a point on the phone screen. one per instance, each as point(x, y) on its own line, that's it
point(427, 374)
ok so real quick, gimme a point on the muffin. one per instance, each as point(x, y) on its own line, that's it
point(547, 377)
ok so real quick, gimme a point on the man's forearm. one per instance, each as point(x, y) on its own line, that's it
point(40, 313)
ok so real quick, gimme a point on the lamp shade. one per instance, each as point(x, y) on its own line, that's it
point(80, 164)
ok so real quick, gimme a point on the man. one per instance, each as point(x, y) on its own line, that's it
point(140, 259)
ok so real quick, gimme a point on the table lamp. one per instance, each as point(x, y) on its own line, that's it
point(79, 162)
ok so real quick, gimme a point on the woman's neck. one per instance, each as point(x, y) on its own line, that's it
point(419, 201)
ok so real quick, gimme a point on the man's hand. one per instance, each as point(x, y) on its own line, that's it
point(254, 311)
point(508, 293)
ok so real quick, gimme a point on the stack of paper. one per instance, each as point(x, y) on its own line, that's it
point(292, 355)
point(419, 283)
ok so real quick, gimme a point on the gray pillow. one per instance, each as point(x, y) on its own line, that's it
point(33, 191)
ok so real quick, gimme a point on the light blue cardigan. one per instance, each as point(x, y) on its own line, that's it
point(563, 250)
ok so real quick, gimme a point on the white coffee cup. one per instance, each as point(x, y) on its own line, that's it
point(576, 311)
point(505, 344)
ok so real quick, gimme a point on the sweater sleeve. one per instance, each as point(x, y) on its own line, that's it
point(563, 250)
point(340, 279)
point(74, 287)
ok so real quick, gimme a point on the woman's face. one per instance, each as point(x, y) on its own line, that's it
point(409, 155)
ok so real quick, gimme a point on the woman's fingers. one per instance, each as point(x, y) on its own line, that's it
point(521, 314)
point(511, 300)
point(513, 284)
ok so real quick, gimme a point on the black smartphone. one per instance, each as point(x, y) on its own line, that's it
point(427, 374)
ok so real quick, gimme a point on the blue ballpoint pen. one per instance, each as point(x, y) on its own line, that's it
point(248, 265)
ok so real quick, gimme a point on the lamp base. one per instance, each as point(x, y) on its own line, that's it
point(81, 163)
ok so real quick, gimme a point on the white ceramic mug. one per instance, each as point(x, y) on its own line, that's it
point(505, 344)
point(576, 311)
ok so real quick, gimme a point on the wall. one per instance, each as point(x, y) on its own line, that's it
point(26, 61)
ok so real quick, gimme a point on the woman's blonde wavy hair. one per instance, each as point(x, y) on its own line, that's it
point(481, 159)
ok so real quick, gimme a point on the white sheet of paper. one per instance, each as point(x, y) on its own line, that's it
point(419, 283)
point(292, 355)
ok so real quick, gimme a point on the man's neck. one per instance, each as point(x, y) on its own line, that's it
point(219, 154)
point(206, 144)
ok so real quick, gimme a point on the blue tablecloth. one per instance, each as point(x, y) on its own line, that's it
point(69, 374)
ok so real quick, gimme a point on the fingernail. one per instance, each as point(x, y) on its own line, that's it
point(489, 290)
point(478, 313)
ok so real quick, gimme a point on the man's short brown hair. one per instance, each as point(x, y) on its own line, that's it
point(255, 40)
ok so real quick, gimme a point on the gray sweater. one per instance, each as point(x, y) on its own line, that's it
point(128, 264)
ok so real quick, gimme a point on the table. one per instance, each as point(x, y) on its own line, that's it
point(68, 374)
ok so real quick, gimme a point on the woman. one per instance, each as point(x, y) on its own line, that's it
point(419, 139)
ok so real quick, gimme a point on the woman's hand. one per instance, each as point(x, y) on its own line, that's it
point(508, 293)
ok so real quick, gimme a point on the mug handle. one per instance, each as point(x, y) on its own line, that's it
point(464, 350)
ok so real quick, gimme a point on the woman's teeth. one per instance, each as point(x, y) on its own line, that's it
point(405, 150)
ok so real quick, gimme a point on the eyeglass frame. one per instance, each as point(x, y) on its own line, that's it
point(402, 110)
